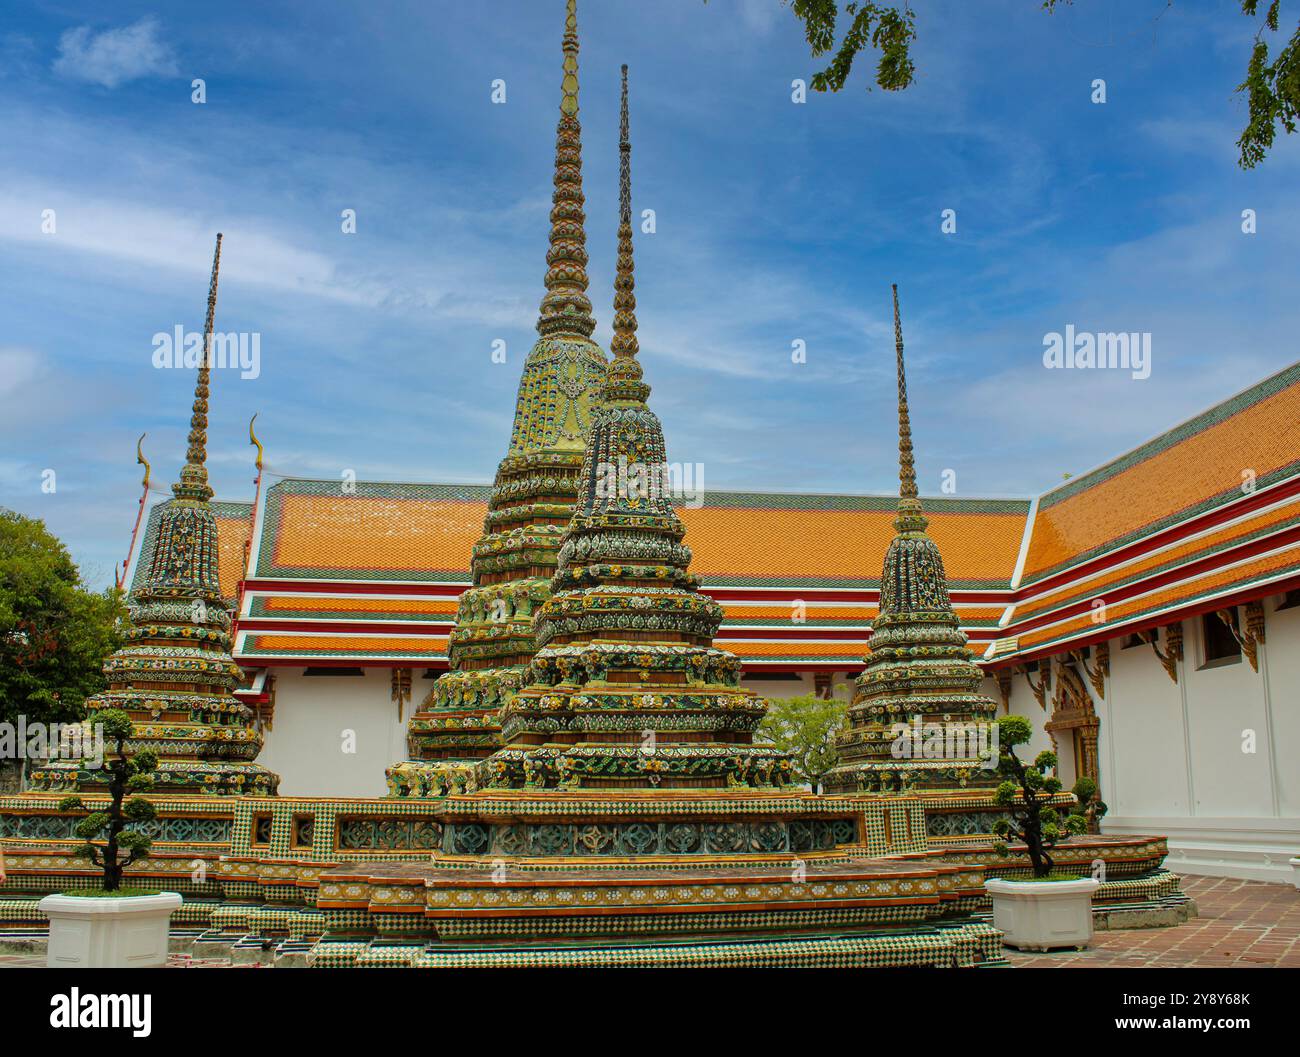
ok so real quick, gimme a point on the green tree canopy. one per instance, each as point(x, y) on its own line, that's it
point(805, 727)
point(54, 631)
point(1271, 84)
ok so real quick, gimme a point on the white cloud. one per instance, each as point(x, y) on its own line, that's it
point(114, 56)
point(759, 15)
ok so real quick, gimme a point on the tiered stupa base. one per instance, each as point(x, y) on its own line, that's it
point(663, 878)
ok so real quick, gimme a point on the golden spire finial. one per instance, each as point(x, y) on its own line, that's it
point(623, 378)
point(566, 308)
point(624, 343)
point(193, 484)
point(909, 506)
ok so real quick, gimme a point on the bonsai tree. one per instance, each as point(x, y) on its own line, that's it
point(1026, 792)
point(1090, 806)
point(109, 844)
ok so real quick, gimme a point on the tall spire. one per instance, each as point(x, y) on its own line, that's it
point(565, 308)
point(624, 343)
point(623, 379)
point(919, 670)
point(194, 474)
point(625, 640)
point(910, 518)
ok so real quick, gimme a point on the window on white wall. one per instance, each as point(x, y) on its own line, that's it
point(1290, 600)
point(1219, 645)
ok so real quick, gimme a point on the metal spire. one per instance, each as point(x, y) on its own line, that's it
point(566, 309)
point(624, 342)
point(193, 484)
point(909, 517)
point(623, 377)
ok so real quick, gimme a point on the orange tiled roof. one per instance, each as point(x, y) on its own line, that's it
point(1168, 524)
point(1191, 467)
point(424, 533)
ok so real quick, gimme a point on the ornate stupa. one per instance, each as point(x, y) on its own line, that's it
point(175, 676)
point(629, 819)
point(627, 690)
point(532, 497)
point(917, 715)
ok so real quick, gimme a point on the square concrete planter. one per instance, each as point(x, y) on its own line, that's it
point(108, 932)
point(1042, 915)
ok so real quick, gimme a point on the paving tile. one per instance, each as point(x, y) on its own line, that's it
point(1242, 924)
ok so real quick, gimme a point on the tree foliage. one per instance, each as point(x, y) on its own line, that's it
point(54, 631)
point(1026, 792)
point(109, 844)
point(805, 727)
point(1271, 85)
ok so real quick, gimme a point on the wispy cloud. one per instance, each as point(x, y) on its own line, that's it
point(115, 56)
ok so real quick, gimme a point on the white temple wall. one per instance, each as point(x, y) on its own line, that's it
point(1172, 755)
point(802, 683)
point(1142, 750)
point(1280, 667)
point(307, 745)
point(1023, 703)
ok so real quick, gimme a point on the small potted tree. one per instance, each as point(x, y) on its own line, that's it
point(112, 925)
point(1090, 805)
point(1052, 909)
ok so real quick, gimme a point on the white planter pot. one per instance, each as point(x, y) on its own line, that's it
point(1041, 915)
point(106, 932)
point(1295, 870)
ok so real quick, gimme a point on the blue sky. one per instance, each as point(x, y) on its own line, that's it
point(776, 222)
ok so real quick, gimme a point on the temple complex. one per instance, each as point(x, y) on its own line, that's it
point(554, 684)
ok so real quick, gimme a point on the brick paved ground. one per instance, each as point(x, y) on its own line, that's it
point(1243, 924)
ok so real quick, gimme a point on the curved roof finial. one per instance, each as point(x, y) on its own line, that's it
point(142, 461)
point(120, 576)
point(193, 484)
point(252, 439)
